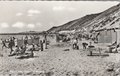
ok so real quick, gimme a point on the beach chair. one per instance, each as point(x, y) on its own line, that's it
point(20, 42)
point(30, 41)
point(36, 41)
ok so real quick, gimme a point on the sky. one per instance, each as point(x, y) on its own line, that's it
point(21, 16)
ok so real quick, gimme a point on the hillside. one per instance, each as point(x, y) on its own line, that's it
point(105, 18)
point(92, 21)
point(75, 24)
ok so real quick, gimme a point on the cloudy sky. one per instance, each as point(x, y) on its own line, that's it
point(18, 16)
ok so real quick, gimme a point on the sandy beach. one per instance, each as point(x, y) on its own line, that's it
point(58, 62)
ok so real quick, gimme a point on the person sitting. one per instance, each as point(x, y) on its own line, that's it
point(32, 48)
point(113, 47)
point(37, 47)
point(23, 49)
point(15, 52)
point(27, 55)
point(116, 48)
point(84, 44)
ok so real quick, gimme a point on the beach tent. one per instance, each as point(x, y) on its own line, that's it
point(20, 42)
point(107, 36)
point(109, 33)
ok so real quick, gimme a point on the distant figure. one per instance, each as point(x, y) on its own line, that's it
point(31, 51)
point(13, 38)
point(27, 55)
point(33, 47)
point(15, 41)
point(3, 44)
point(75, 44)
point(15, 52)
point(11, 44)
point(90, 48)
point(26, 40)
point(41, 45)
point(84, 44)
point(23, 49)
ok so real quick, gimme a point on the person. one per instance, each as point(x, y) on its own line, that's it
point(41, 45)
point(90, 49)
point(37, 47)
point(28, 55)
point(31, 51)
point(13, 38)
point(3, 44)
point(11, 44)
point(23, 49)
point(15, 52)
point(26, 40)
point(33, 47)
point(84, 44)
point(15, 41)
point(75, 44)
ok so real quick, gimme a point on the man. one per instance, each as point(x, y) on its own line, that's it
point(41, 45)
point(26, 40)
point(3, 44)
point(11, 44)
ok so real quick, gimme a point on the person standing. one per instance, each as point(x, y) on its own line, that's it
point(41, 45)
point(3, 44)
point(26, 40)
point(13, 39)
point(75, 44)
point(11, 44)
point(45, 41)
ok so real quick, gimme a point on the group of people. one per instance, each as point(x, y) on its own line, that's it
point(10, 42)
point(25, 49)
point(76, 46)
